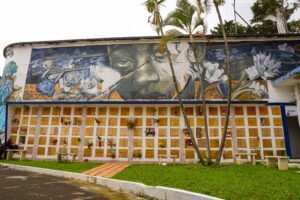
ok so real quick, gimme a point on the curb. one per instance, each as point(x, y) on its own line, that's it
point(138, 189)
point(294, 165)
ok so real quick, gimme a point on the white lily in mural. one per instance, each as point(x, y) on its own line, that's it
point(252, 72)
point(259, 90)
point(264, 66)
point(286, 47)
point(213, 73)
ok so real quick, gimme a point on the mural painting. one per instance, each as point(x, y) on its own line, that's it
point(141, 72)
point(8, 91)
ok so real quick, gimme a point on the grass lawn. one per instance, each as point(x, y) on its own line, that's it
point(69, 167)
point(228, 182)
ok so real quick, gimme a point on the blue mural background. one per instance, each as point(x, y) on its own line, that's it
point(141, 72)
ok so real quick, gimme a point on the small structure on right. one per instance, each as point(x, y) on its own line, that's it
point(288, 85)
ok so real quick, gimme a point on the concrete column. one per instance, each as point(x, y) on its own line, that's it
point(297, 97)
point(82, 134)
point(37, 133)
point(130, 145)
point(130, 136)
point(233, 134)
point(181, 147)
point(10, 113)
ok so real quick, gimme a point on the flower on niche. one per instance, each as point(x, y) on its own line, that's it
point(150, 132)
point(213, 73)
point(188, 142)
point(264, 67)
point(131, 123)
point(97, 121)
point(54, 141)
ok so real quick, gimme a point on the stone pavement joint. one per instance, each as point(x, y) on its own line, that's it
point(107, 170)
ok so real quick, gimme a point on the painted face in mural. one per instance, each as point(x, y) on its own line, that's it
point(141, 78)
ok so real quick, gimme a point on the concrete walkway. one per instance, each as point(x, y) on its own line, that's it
point(23, 185)
point(107, 170)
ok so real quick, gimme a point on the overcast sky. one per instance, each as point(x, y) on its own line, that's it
point(36, 20)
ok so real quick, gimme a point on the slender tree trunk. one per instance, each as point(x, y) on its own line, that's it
point(199, 5)
point(202, 96)
point(186, 121)
point(228, 66)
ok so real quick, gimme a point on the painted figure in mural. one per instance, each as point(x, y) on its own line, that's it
point(128, 72)
point(70, 73)
point(146, 74)
point(141, 77)
point(140, 71)
point(7, 89)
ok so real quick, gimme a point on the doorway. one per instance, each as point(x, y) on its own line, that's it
point(294, 136)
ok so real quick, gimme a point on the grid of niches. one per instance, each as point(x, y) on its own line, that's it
point(258, 128)
point(59, 129)
point(23, 127)
point(106, 129)
point(157, 132)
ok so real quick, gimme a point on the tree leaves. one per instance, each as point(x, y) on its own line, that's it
point(262, 8)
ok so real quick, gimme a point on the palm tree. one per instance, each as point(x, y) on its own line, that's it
point(216, 4)
point(152, 7)
point(185, 20)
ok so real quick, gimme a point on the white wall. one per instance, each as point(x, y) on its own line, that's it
point(21, 55)
point(283, 94)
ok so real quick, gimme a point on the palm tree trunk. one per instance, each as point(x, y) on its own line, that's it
point(186, 121)
point(202, 96)
point(228, 66)
point(200, 7)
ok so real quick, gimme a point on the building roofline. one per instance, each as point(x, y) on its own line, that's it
point(290, 75)
point(206, 37)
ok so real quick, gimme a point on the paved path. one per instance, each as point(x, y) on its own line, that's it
point(19, 185)
point(107, 170)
